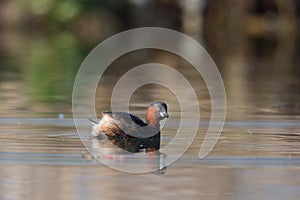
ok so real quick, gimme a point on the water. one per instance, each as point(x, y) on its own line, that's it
point(256, 157)
point(252, 159)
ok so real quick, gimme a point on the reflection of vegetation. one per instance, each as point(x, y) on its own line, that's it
point(52, 65)
point(60, 10)
point(62, 32)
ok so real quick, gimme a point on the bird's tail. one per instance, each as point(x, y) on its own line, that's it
point(93, 121)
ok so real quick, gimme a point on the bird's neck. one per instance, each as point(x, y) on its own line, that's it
point(152, 121)
point(151, 117)
point(153, 127)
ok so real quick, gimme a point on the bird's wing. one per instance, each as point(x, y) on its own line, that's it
point(128, 123)
point(129, 118)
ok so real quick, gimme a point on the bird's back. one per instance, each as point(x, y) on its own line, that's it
point(124, 124)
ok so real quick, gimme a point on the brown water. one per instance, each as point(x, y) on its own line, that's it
point(256, 157)
point(44, 159)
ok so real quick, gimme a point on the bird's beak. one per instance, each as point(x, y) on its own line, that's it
point(164, 114)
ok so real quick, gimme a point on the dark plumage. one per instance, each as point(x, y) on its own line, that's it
point(120, 125)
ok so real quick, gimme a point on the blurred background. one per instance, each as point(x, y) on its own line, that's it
point(254, 44)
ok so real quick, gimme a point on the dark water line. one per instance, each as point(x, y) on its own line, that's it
point(69, 122)
point(215, 161)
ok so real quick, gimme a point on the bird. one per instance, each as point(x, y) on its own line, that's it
point(123, 126)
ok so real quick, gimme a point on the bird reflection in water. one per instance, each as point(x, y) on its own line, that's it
point(131, 135)
point(119, 149)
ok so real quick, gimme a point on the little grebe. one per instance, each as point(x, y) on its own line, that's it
point(120, 125)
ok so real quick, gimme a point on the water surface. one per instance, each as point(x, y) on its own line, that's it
point(252, 159)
